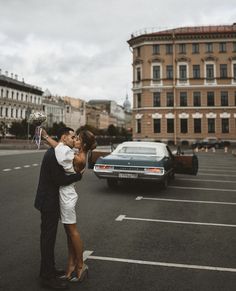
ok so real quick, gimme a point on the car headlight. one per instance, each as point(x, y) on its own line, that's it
point(103, 168)
point(154, 171)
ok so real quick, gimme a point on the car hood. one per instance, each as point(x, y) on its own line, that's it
point(131, 160)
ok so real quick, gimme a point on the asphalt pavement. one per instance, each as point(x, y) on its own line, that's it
point(136, 237)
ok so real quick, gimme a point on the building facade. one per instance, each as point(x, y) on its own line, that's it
point(184, 84)
point(17, 99)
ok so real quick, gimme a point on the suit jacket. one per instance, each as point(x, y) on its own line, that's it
point(52, 176)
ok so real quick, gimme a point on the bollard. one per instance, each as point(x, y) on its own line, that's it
point(226, 149)
point(213, 149)
point(196, 149)
point(206, 150)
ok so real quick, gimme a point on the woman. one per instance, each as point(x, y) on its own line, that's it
point(72, 160)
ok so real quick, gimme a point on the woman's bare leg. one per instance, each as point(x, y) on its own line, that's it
point(76, 250)
point(71, 262)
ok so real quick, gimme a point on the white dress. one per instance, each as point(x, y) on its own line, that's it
point(68, 196)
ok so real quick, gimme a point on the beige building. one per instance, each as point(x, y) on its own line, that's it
point(97, 117)
point(17, 100)
point(75, 112)
point(184, 84)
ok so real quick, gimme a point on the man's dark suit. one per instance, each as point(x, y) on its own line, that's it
point(52, 176)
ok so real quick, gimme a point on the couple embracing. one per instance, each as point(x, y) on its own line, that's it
point(62, 166)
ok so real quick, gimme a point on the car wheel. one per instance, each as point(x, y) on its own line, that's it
point(164, 183)
point(112, 183)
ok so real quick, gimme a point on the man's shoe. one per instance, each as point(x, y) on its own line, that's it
point(59, 272)
point(53, 283)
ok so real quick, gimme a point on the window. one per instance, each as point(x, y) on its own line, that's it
point(184, 125)
point(12, 112)
point(234, 71)
point(7, 93)
point(209, 71)
point(1, 110)
point(224, 98)
point(211, 125)
point(17, 96)
point(234, 46)
point(210, 99)
point(156, 99)
point(223, 71)
point(169, 72)
point(197, 125)
point(157, 125)
point(6, 112)
point(197, 99)
point(138, 125)
point(170, 125)
point(169, 99)
point(138, 52)
point(169, 49)
point(183, 72)
point(183, 99)
point(234, 98)
point(139, 100)
point(196, 71)
point(138, 74)
point(195, 48)
point(12, 94)
point(1, 92)
point(182, 48)
point(209, 47)
point(156, 71)
point(225, 125)
point(156, 49)
point(222, 47)
point(16, 113)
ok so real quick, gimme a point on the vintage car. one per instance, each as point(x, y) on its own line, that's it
point(151, 161)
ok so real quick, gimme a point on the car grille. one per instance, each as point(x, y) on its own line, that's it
point(123, 168)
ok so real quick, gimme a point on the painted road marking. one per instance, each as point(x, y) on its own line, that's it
point(185, 201)
point(205, 189)
point(6, 170)
point(205, 180)
point(124, 217)
point(34, 165)
point(216, 170)
point(26, 166)
point(162, 264)
point(17, 168)
point(221, 175)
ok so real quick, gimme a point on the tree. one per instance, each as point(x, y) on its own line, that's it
point(112, 130)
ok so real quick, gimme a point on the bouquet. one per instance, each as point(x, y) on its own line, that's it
point(37, 118)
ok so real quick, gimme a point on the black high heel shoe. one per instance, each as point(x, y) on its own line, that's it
point(83, 274)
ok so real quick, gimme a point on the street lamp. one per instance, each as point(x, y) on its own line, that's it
point(27, 114)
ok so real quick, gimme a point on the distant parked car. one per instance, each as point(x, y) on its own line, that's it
point(210, 143)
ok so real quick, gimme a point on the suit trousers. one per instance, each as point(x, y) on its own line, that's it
point(49, 224)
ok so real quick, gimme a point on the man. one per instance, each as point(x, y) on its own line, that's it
point(52, 176)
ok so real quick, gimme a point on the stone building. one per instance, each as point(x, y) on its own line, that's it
point(184, 84)
point(17, 99)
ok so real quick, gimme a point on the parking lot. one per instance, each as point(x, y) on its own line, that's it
point(136, 237)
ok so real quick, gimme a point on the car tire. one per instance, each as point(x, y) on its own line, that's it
point(112, 183)
point(164, 183)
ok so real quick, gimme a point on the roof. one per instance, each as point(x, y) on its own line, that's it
point(188, 30)
point(143, 143)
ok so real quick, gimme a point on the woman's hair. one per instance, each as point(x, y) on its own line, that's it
point(88, 140)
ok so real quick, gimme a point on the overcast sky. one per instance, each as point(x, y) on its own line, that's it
point(79, 48)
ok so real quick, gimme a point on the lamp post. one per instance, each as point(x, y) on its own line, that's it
point(27, 113)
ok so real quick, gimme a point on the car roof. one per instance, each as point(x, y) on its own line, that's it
point(143, 143)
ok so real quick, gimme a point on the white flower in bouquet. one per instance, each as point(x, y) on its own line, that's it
point(37, 117)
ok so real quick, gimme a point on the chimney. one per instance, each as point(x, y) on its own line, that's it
point(12, 75)
point(6, 73)
point(16, 77)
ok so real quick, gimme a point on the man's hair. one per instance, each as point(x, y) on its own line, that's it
point(64, 130)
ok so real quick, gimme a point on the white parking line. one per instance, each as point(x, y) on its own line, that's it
point(17, 168)
point(221, 175)
point(206, 180)
point(162, 264)
point(26, 166)
point(205, 189)
point(6, 170)
point(34, 165)
point(124, 217)
point(184, 201)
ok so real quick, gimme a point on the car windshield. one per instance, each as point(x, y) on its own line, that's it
point(137, 150)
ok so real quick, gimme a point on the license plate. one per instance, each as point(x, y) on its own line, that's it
point(128, 175)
